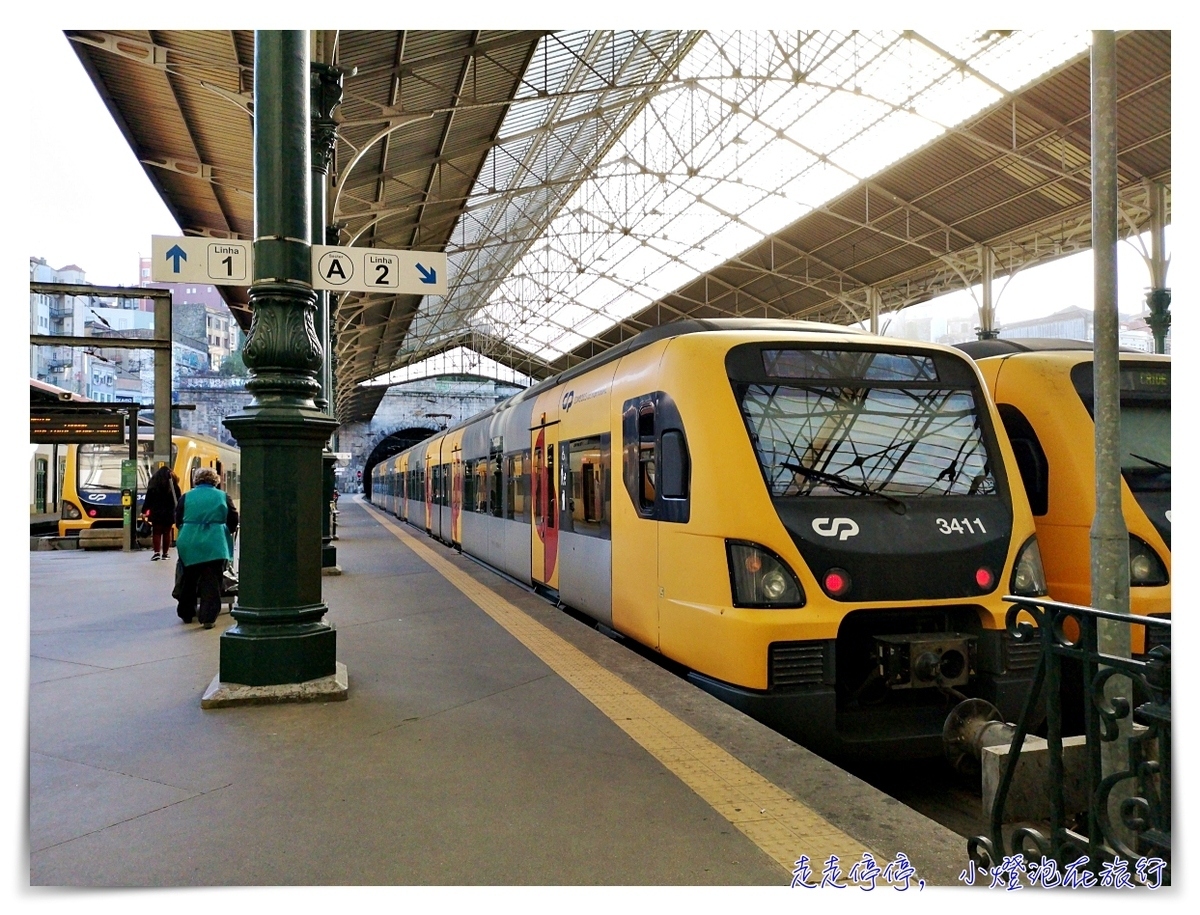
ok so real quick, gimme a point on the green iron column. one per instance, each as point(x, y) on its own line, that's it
point(280, 635)
point(326, 88)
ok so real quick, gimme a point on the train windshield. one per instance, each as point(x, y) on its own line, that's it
point(1145, 433)
point(100, 466)
point(856, 423)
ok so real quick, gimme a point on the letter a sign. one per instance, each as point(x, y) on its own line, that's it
point(335, 268)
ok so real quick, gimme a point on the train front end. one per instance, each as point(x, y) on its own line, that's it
point(853, 494)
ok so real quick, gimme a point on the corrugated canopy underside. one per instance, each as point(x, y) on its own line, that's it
point(517, 153)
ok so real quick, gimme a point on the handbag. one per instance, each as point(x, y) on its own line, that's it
point(178, 579)
point(229, 581)
point(144, 528)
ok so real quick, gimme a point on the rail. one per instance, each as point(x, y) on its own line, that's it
point(1141, 791)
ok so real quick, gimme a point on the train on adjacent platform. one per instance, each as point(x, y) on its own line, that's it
point(91, 483)
point(819, 524)
point(1043, 390)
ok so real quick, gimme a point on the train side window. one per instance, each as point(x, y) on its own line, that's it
point(518, 506)
point(1031, 458)
point(589, 490)
point(192, 468)
point(673, 472)
point(468, 503)
point(655, 462)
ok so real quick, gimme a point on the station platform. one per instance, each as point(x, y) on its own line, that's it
point(488, 739)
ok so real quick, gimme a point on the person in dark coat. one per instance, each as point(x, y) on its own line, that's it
point(207, 520)
point(159, 505)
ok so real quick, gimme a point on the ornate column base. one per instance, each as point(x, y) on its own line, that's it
point(280, 636)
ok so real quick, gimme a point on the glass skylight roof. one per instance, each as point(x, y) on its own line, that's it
point(634, 161)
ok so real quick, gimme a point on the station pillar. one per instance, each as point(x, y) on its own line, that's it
point(326, 90)
point(280, 635)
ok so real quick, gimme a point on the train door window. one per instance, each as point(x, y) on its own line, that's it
point(444, 496)
point(538, 453)
point(548, 486)
point(497, 462)
point(1031, 459)
point(646, 458)
point(192, 468)
point(589, 490)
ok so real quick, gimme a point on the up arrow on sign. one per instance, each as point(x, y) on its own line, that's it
point(378, 270)
point(192, 259)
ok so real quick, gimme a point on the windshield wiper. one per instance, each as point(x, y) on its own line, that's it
point(1159, 464)
point(842, 484)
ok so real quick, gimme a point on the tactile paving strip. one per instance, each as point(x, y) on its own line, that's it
point(783, 827)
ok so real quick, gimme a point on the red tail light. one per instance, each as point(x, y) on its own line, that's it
point(91, 513)
point(985, 578)
point(836, 582)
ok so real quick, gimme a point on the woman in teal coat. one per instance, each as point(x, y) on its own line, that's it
point(207, 520)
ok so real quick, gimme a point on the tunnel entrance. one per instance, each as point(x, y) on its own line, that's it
point(392, 444)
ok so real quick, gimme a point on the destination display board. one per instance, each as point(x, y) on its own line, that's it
point(47, 427)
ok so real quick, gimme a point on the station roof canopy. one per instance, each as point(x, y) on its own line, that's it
point(586, 185)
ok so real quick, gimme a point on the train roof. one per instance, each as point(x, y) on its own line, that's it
point(982, 349)
point(664, 332)
point(679, 329)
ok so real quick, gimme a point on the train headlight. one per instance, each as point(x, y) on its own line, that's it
point(759, 578)
point(1145, 568)
point(1028, 577)
point(774, 584)
point(70, 511)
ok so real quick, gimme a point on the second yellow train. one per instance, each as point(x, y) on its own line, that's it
point(91, 486)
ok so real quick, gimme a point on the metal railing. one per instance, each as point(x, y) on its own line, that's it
point(1141, 791)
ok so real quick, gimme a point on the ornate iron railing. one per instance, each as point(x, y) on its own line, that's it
point(1144, 834)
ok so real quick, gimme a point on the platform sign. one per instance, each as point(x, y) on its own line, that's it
point(190, 259)
point(341, 269)
point(51, 428)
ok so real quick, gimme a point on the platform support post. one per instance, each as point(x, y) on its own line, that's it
point(326, 89)
point(1109, 535)
point(280, 635)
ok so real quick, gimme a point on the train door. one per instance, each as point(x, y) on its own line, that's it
point(456, 495)
point(635, 576)
point(431, 462)
point(545, 505)
point(402, 489)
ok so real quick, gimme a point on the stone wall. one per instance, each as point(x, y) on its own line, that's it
point(432, 404)
point(215, 398)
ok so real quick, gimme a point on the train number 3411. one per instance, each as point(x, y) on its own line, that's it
point(963, 526)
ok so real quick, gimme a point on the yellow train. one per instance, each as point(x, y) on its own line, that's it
point(91, 488)
point(819, 524)
point(1043, 391)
